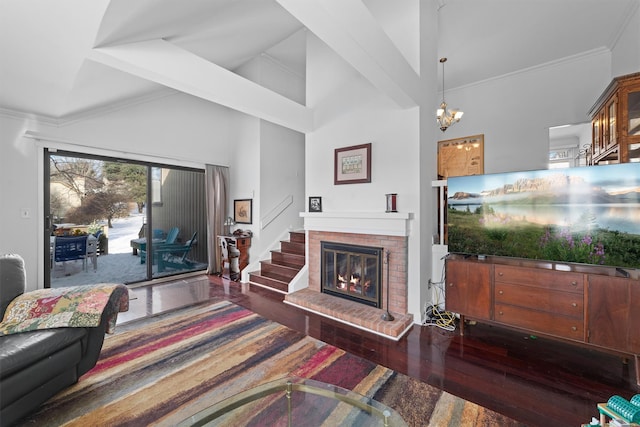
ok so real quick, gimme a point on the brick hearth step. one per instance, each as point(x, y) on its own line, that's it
point(350, 312)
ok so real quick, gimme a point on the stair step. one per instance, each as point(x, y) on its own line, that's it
point(297, 236)
point(288, 259)
point(278, 271)
point(274, 283)
point(292, 247)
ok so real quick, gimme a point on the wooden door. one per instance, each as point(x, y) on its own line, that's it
point(468, 290)
point(608, 312)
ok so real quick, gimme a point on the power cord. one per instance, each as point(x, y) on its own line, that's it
point(441, 318)
point(435, 316)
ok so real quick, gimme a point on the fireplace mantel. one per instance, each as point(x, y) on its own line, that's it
point(387, 230)
point(382, 223)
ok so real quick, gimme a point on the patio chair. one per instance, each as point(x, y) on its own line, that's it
point(92, 253)
point(175, 256)
point(172, 236)
point(70, 249)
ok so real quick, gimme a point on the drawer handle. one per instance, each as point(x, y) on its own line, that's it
point(501, 274)
point(500, 313)
point(500, 292)
point(574, 283)
point(450, 285)
point(573, 304)
point(573, 328)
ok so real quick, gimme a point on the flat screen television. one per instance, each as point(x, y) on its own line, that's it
point(588, 215)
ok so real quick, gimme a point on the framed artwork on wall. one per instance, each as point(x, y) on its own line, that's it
point(461, 156)
point(242, 211)
point(315, 204)
point(352, 165)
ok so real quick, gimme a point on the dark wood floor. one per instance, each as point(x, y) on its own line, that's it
point(536, 381)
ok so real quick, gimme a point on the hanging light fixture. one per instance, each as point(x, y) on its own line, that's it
point(446, 117)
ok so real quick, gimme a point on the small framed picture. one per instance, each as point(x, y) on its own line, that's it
point(352, 165)
point(315, 204)
point(242, 211)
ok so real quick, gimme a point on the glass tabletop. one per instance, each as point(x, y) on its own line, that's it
point(296, 401)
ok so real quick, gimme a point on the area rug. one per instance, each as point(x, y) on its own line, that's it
point(162, 370)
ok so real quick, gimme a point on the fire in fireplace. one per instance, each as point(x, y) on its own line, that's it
point(352, 272)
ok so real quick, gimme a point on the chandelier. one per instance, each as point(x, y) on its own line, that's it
point(445, 116)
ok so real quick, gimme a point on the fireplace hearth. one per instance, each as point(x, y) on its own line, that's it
point(352, 272)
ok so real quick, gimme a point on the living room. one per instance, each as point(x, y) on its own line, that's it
point(281, 143)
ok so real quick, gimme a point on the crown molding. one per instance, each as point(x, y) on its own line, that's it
point(567, 59)
point(89, 113)
point(32, 117)
point(116, 106)
point(629, 14)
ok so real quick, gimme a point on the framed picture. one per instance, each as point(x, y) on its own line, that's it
point(315, 204)
point(352, 165)
point(461, 156)
point(242, 211)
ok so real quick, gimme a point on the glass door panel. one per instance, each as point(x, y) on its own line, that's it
point(178, 215)
point(107, 201)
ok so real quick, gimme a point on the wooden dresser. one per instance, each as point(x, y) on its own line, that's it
point(586, 305)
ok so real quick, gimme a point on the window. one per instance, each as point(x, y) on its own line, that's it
point(130, 208)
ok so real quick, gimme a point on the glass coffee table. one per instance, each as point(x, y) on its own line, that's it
point(296, 402)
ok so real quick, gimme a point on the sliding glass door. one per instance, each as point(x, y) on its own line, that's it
point(115, 220)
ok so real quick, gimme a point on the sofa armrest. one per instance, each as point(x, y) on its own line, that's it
point(76, 306)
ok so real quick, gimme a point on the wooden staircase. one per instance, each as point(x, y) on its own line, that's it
point(276, 273)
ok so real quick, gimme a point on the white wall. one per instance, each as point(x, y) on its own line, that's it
point(18, 190)
point(268, 163)
point(178, 128)
point(515, 112)
point(173, 128)
point(626, 52)
point(430, 257)
point(349, 111)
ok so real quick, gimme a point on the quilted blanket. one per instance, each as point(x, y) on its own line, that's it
point(74, 306)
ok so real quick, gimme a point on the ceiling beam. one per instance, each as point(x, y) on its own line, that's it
point(169, 65)
point(348, 27)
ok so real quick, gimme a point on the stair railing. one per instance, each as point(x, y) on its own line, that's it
point(276, 212)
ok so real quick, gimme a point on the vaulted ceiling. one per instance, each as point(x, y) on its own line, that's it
point(60, 58)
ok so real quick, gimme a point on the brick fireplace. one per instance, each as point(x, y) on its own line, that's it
point(388, 231)
point(397, 247)
point(351, 271)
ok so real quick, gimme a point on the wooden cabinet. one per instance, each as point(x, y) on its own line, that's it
point(590, 307)
point(548, 302)
point(615, 122)
point(613, 313)
point(468, 289)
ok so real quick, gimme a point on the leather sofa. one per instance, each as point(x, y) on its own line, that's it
point(35, 365)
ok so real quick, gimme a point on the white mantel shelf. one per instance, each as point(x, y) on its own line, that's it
point(382, 223)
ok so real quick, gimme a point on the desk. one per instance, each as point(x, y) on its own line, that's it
point(230, 246)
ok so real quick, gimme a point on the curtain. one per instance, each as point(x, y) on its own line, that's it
point(217, 189)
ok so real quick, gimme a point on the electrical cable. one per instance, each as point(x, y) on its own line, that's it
point(436, 317)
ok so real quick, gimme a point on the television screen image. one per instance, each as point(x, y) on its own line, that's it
point(588, 215)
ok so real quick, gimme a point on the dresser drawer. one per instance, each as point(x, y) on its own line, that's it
point(565, 303)
point(540, 321)
point(558, 280)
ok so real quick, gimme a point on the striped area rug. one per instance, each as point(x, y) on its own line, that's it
point(160, 371)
